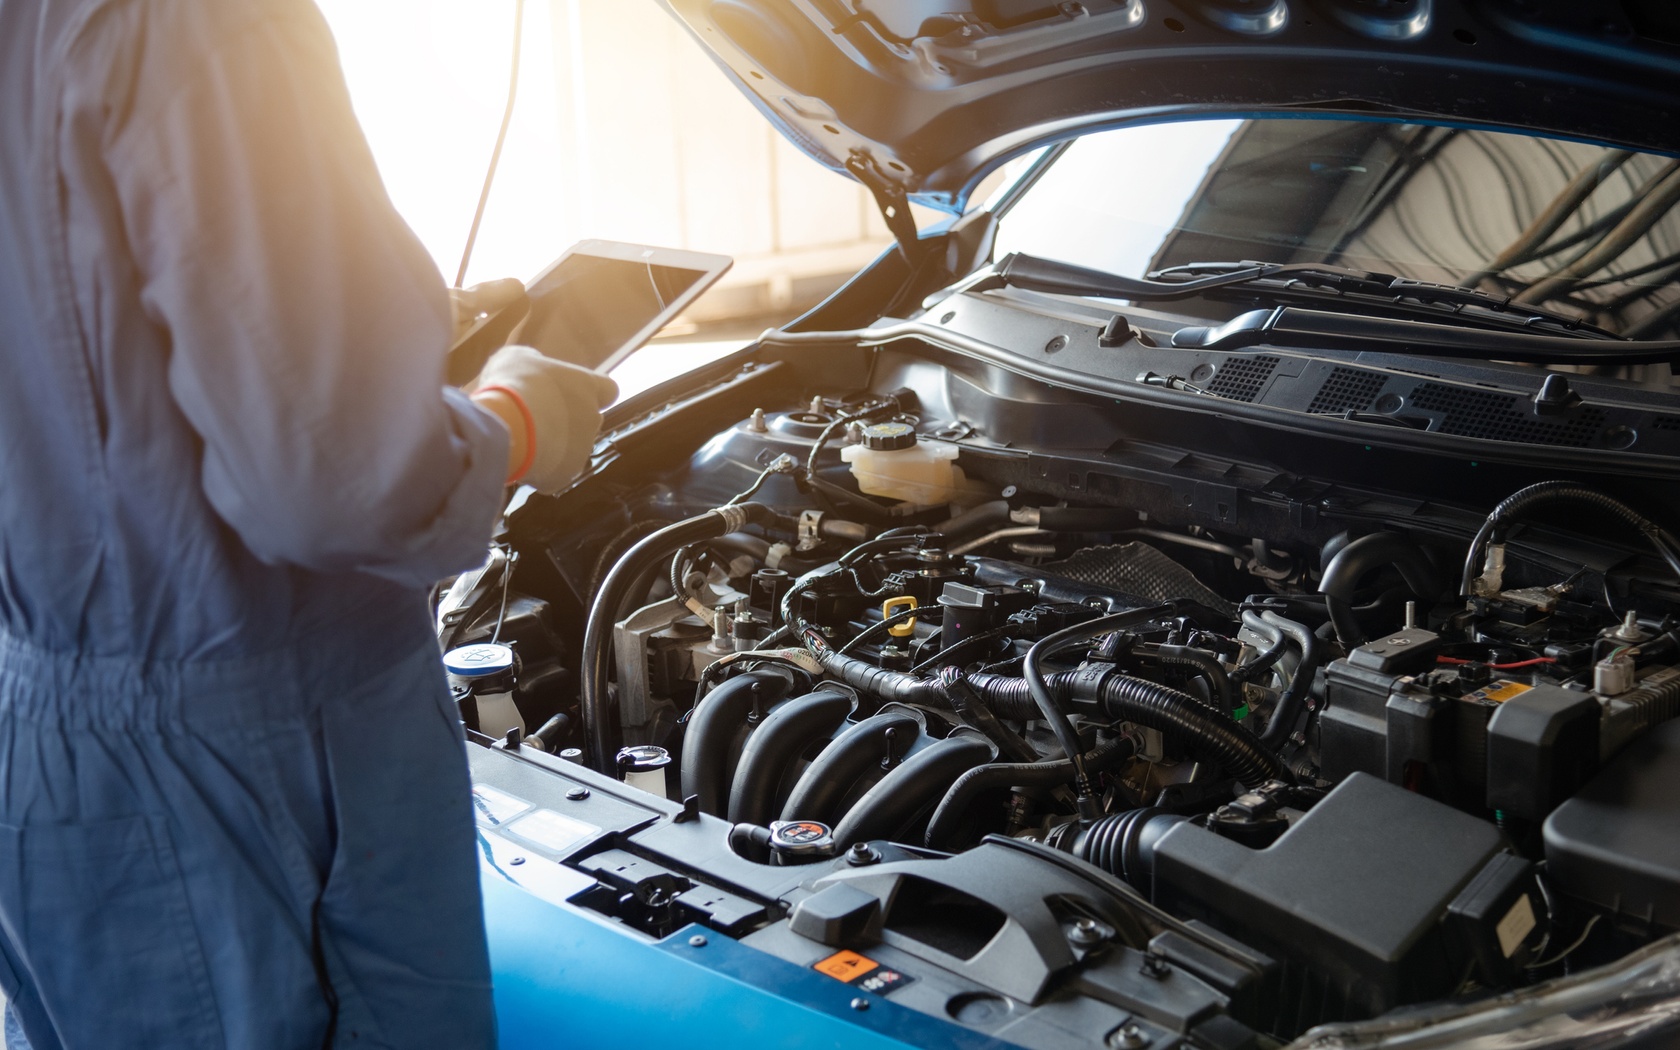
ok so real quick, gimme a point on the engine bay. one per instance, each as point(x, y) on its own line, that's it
point(933, 686)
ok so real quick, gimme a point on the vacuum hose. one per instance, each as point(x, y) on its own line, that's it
point(648, 553)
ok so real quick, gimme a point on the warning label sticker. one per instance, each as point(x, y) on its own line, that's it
point(1500, 693)
point(861, 972)
point(846, 966)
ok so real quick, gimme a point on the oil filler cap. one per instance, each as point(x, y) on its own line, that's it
point(889, 437)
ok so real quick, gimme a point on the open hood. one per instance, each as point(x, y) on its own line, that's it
point(924, 97)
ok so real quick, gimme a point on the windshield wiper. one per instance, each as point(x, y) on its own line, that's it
point(1046, 275)
point(1331, 330)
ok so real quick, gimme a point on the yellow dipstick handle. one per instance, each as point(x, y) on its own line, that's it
point(893, 606)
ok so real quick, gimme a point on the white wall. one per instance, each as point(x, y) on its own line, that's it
point(625, 130)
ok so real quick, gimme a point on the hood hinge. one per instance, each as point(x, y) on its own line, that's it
point(893, 202)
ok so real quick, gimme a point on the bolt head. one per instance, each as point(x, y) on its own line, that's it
point(517, 861)
point(578, 794)
point(697, 941)
point(860, 1003)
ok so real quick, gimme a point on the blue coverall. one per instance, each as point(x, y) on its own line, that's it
point(234, 805)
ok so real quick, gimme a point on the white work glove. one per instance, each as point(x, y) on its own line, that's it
point(561, 405)
point(469, 304)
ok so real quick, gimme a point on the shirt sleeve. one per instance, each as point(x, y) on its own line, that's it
point(308, 326)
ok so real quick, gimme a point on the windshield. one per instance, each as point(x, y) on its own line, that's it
point(1584, 230)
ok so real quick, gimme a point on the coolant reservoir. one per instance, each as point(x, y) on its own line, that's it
point(890, 462)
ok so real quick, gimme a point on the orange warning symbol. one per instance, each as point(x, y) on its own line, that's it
point(845, 966)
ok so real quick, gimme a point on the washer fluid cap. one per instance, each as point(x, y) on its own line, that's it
point(642, 758)
point(479, 661)
point(889, 437)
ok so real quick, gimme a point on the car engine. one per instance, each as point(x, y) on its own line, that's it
point(1043, 727)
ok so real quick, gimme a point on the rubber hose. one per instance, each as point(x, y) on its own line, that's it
point(981, 779)
point(1521, 502)
point(1124, 844)
point(887, 810)
point(976, 519)
point(612, 551)
point(1349, 566)
point(1294, 698)
point(648, 553)
point(863, 746)
point(775, 746)
point(717, 718)
point(1277, 643)
point(1208, 667)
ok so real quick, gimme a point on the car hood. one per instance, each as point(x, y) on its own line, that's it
point(926, 96)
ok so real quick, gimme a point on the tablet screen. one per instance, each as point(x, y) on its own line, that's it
point(596, 309)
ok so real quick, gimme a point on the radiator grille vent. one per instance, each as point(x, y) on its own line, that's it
point(1241, 378)
point(1505, 417)
point(1666, 423)
point(1347, 389)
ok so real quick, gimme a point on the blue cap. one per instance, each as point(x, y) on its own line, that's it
point(478, 661)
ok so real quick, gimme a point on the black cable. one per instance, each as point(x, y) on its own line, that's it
point(508, 561)
point(1519, 503)
point(1613, 245)
point(944, 655)
point(501, 140)
point(1552, 217)
point(885, 625)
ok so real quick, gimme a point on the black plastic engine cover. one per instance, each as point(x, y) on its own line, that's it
point(1357, 890)
point(1616, 844)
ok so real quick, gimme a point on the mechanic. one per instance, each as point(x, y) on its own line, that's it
point(234, 804)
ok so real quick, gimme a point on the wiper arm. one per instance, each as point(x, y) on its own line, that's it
point(1046, 275)
point(1328, 330)
point(1387, 286)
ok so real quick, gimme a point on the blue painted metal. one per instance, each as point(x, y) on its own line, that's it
point(566, 979)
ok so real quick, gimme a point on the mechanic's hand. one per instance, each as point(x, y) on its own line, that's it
point(558, 410)
point(471, 303)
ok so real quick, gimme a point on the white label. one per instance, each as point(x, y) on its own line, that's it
point(552, 831)
point(492, 808)
point(1517, 924)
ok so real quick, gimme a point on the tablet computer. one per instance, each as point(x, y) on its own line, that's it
point(596, 305)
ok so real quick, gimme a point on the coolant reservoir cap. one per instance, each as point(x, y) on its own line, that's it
point(479, 661)
point(889, 437)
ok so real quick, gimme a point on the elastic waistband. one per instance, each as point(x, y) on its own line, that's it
point(282, 682)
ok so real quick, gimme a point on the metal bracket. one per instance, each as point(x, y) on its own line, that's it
point(893, 202)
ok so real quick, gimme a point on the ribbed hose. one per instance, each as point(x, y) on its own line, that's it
point(1124, 844)
point(1521, 502)
point(1155, 706)
point(974, 711)
point(981, 779)
point(1151, 705)
point(598, 722)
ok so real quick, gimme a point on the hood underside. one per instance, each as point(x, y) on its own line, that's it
point(926, 96)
